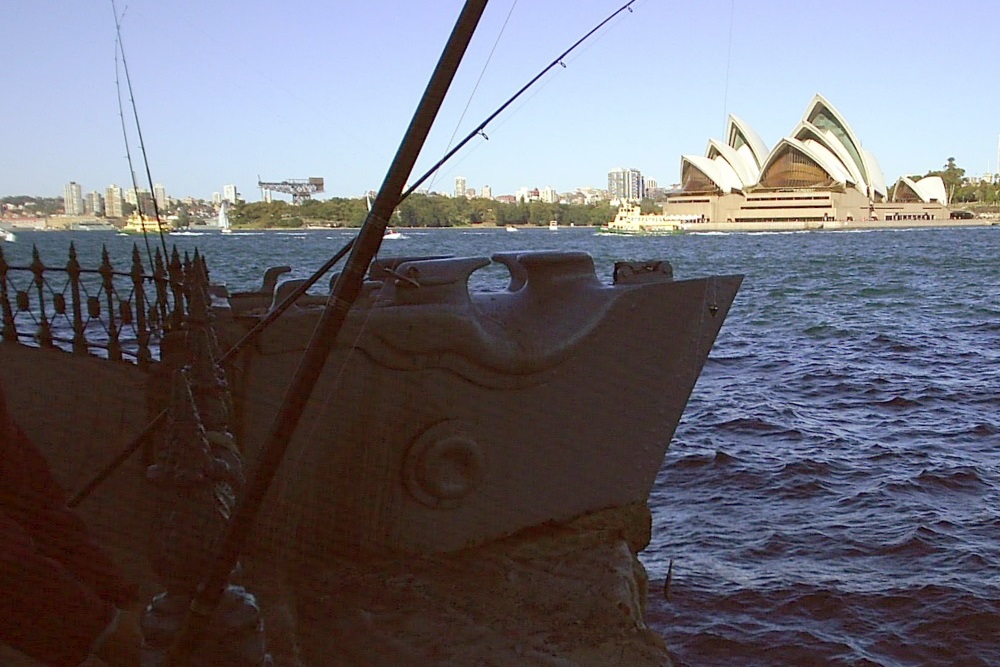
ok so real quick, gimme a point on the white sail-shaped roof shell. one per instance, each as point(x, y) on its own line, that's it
point(928, 189)
point(876, 179)
point(825, 116)
point(932, 188)
point(806, 131)
point(718, 171)
point(823, 136)
point(745, 169)
point(746, 142)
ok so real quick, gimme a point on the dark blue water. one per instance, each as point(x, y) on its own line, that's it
point(832, 496)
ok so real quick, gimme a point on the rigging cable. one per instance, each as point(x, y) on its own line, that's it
point(482, 126)
point(482, 73)
point(729, 60)
point(142, 145)
point(564, 64)
point(128, 154)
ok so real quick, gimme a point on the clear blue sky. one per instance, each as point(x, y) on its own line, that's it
point(228, 89)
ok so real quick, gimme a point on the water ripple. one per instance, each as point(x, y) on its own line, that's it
point(831, 495)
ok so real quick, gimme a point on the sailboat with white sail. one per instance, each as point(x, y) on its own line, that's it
point(224, 226)
point(389, 234)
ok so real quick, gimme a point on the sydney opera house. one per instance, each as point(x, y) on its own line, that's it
point(818, 173)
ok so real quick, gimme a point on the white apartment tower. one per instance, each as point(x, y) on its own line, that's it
point(459, 186)
point(133, 195)
point(626, 185)
point(549, 195)
point(486, 192)
point(73, 198)
point(113, 202)
point(95, 203)
point(229, 193)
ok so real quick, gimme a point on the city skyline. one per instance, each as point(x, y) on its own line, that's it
point(110, 202)
point(285, 97)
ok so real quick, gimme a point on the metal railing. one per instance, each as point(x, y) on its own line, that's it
point(104, 312)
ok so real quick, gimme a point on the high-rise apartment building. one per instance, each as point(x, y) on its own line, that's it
point(229, 193)
point(549, 195)
point(133, 195)
point(626, 185)
point(486, 192)
point(113, 202)
point(73, 198)
point(160, 196)
point(95, 203)
point(142, 199)
point(459, 186)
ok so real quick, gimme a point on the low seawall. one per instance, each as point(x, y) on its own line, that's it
point(830, 225)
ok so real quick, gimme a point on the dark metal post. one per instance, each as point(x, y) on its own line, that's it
point(73, 271)
point(143, 355)
point(38, 269)
point(339, 303)
point(176, 274)
point(159, 311)
point(9, 330)
point(108, 278)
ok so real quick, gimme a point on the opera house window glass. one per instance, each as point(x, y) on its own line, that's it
point(737, 141)
point(904, 193)
point(822, 119)
point(792, 169)
point(694, 180)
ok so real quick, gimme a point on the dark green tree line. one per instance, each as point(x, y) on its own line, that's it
point(420, 210)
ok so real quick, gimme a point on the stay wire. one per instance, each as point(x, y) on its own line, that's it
point(128, 151)
point(729, 60)
point(142, 144)
point(482, 73)
point(566, 62)
point(479, 128)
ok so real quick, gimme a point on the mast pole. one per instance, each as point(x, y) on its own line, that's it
point(341, 298)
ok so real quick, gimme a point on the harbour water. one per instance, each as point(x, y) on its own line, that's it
point(832, 495)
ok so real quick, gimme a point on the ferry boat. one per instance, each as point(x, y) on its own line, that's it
point(143, 224)
point(631, 220)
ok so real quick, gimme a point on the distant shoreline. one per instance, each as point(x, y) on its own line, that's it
point(688, 228)
point(832, 225)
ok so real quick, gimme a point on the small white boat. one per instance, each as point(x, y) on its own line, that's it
point(553, 226)
point(511, 228)
point(8, 236)
point(391, 234)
